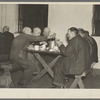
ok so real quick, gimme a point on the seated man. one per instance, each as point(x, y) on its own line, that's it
point(19, 56)
point(3, 57)
point(82, 34)
point(1, 43)
point(92, 43)
point(36, 31)
point(75, 57)
point(8, 39)
point(94, 47)
point(46, 31)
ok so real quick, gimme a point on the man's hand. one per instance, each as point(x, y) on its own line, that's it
point(43, 42)
point(59, 43)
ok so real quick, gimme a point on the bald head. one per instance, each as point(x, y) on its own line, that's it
point(36, 31)
point(6, 29)
point(46, 31)
point(27, 30)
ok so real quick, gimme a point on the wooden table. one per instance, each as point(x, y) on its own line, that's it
point(47, 67)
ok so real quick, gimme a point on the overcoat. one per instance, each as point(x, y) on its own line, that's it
point(94, 57)
point(76, 56)
point(18, 54)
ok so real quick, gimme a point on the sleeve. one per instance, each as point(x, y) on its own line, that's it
point(12, 37)
point(68, 50)
point(36, 38)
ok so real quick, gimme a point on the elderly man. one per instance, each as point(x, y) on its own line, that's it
point(19, 56)
point(74, 59)
point(1, 43)
point(8, 39)
point(46, 31)
point(3, 57)
point(36, 31)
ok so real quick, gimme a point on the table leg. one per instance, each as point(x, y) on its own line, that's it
point(44, 71)
point(44, 64)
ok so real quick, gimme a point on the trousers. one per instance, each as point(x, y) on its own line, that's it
point(30, 66)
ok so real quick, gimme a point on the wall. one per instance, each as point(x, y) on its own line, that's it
point(98, 43)
point(9, 16)
point(63, 16)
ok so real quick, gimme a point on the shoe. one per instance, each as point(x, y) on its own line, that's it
point(67, 79)
point(58, 85)
point(22, 82)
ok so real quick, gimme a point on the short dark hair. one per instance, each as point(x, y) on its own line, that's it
point(81, 30)
point(74, 29)
point(86, 32)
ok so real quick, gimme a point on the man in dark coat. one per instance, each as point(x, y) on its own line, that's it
point(8, 39)
point(19, 55)
point(74, 59)
point(3, 57)
point(92, 43)
point(1, 44)
point(82, 34)
point(94, 47)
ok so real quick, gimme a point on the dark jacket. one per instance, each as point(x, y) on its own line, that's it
point(2, 39)
point(3, 56)
point(76, 56)
point(20, 42)
point(94, 57)
point(8, 41)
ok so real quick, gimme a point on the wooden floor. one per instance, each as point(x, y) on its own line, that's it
point(46, 82)
point(91, 82)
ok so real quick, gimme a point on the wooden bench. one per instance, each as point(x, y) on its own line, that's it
point(6, 80)
point(78, 79)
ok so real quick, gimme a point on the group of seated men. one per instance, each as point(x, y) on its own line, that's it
point(77, 56)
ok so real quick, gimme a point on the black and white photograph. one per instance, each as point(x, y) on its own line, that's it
point(50, 46)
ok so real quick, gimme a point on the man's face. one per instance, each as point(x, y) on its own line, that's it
point(70, 34)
